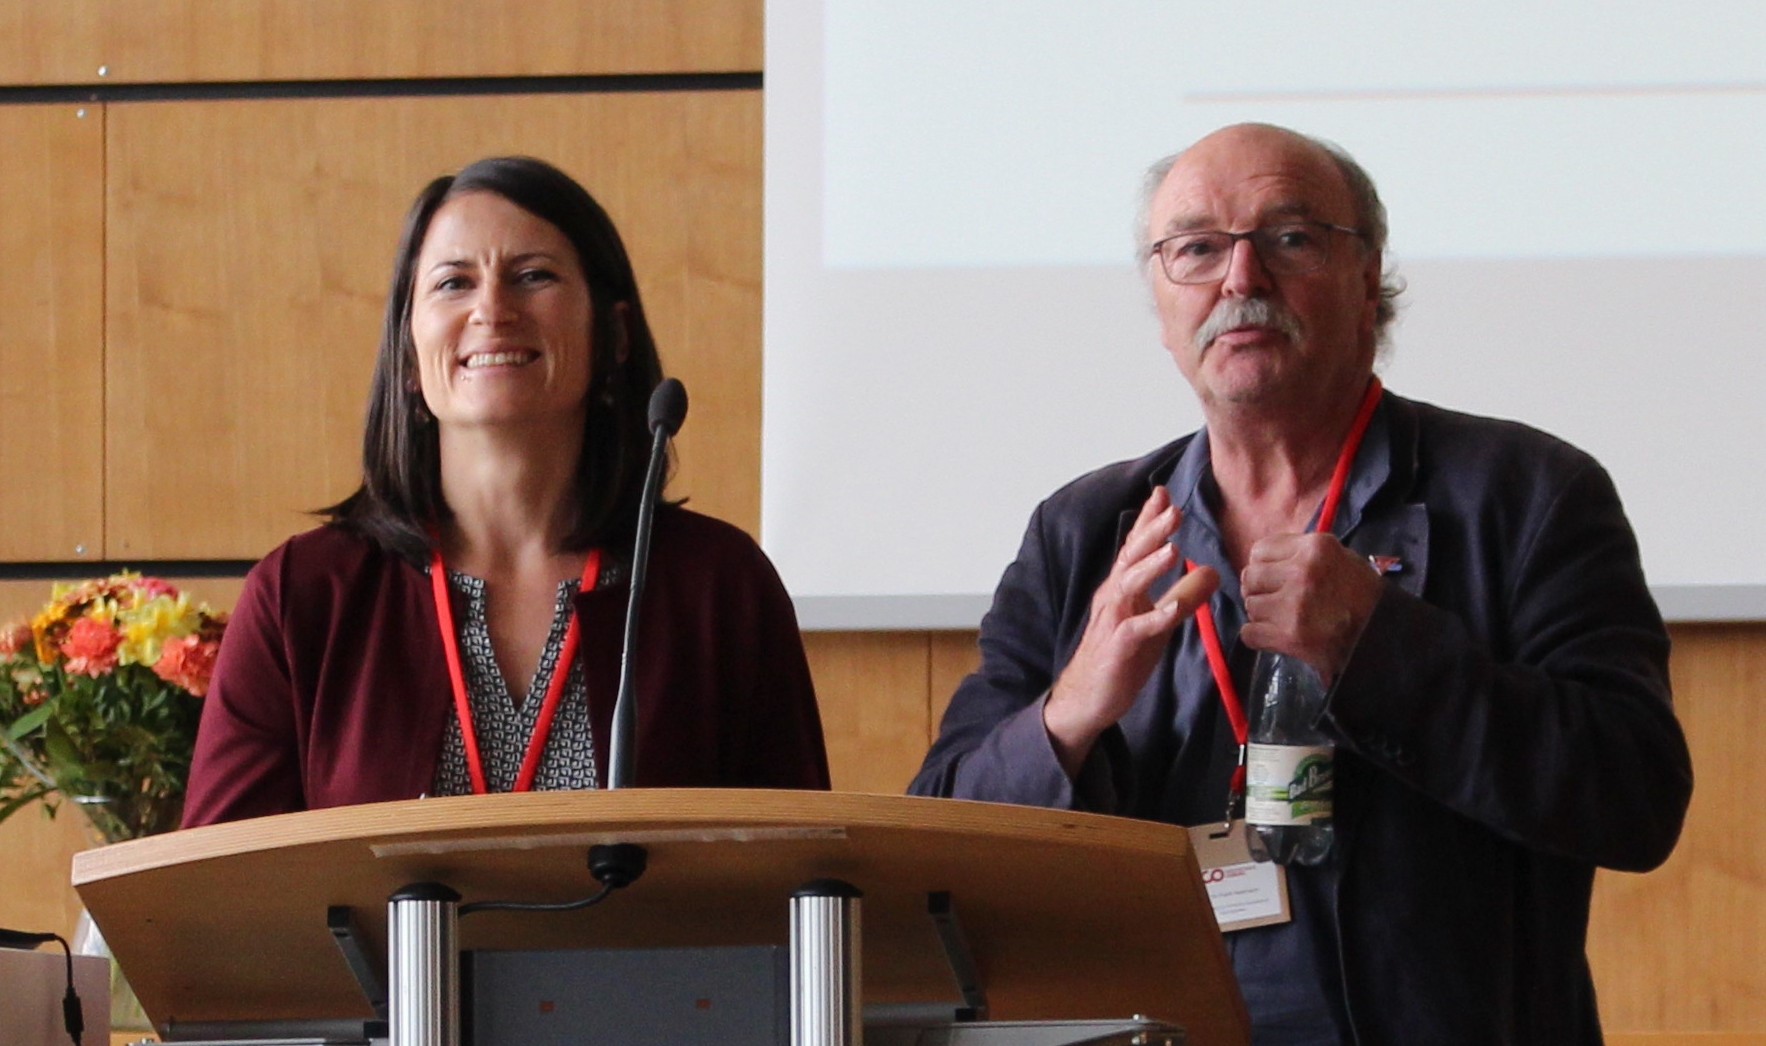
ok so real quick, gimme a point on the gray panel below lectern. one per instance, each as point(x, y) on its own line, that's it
point(1136, 1032)
point(680, 996)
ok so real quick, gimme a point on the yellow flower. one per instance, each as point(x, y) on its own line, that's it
point(47, 628)
point(147, 626)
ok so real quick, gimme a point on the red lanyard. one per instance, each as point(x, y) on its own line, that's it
point(1327, 515)
point(542, 728)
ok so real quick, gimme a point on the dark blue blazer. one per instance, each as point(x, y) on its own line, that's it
point(1504, 723)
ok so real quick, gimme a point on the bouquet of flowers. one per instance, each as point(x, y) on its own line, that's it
point(100, 694)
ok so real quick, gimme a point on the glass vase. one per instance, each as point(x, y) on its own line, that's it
point(126, 1013)
point(112, 821)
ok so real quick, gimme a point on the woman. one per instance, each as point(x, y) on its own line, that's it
point(505, 451)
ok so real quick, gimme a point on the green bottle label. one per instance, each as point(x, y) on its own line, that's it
point(1288, 784)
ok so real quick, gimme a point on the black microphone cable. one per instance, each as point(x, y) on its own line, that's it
point(73, 1017)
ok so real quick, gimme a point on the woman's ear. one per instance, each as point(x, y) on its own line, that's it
point(623, 345)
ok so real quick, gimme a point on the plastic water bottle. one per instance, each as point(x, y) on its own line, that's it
point(1289, 764)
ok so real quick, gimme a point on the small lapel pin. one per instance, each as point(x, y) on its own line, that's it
point(1386, 564)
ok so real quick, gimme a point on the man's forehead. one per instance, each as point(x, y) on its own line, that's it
point(1186, 214)
point(1253, 176)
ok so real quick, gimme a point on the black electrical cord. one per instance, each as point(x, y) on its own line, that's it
point(73, 1016)
point(614, 865)
point(535, 906)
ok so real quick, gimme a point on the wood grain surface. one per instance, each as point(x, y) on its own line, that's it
point(242, 41)
point(245, 293)
point(52, 332)
point(1069, 915)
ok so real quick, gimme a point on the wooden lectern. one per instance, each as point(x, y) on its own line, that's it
point(1067, 915)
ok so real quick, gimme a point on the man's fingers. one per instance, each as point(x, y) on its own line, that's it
point(1278, 547)
point(1147, 536)
point(1123, 594)
point(1134, 581)
point(1190, 592)
point(1290, 559)
point(1155, 504)
point(1154, 526)
point(1174, 607)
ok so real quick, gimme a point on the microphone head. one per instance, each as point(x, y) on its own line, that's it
point(668, 406)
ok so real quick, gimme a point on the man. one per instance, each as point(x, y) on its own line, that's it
point(1498, 696)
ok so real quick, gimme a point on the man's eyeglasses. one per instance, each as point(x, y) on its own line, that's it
point(1285, 250)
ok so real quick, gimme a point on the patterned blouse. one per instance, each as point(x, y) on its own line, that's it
point(503, 727)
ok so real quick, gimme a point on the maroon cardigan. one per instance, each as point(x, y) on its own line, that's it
point(332, 689)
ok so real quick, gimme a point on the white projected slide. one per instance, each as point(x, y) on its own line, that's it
point(955, 325)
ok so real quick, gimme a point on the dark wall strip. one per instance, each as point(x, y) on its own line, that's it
point(606, 84)
point(79, 568)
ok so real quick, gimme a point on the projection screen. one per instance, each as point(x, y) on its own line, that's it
point(955, 325)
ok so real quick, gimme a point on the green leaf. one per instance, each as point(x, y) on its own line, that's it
point(64, 755)
point(31, 720)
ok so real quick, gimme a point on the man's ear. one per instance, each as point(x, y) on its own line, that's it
point(1370, 276)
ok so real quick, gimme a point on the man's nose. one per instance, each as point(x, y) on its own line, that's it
point(1245, 276)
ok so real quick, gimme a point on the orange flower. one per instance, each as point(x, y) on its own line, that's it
point(188, 662)
point(16, 637)
point(91, 647)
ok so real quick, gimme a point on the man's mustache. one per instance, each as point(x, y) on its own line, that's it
point(1231, 314)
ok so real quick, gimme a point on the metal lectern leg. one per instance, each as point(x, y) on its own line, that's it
point(825, 1005)
point(423, 965)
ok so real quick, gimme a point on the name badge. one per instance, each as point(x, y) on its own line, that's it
point(1244, 892)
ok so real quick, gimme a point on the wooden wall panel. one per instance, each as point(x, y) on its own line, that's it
point(209, 41)
point(1684, 947)
point(51, 332)
point(249, 249)
point(717, 297)
point(38, 852)
point(871, 687)
point(1687, 1039)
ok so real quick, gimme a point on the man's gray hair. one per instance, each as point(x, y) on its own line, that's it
point(1370, 218)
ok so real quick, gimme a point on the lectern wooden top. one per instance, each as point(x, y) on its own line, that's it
point(1068, 915)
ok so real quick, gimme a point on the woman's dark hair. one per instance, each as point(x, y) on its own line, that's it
point(400, 497)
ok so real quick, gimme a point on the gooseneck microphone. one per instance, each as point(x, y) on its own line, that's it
point(617, 865)
point(668, 408)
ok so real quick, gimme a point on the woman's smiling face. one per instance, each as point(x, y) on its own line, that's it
point(500, 316)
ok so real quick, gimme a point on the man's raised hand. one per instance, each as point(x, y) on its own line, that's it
point(1125, 636)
